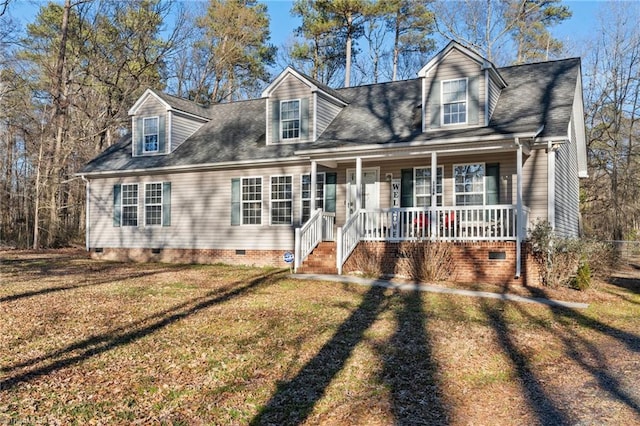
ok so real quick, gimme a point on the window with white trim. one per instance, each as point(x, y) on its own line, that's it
point(305, 194)
point(454, 101)
point(469, 184)
point(130, 204)
point(150, 134)
point(422, 179)
point(153, 204)
point(290, 119)
point(281, 200)
point(252, 201)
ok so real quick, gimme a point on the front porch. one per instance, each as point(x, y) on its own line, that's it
point(459, 224)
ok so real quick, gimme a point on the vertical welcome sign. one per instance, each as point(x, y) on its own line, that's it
point(395, 204)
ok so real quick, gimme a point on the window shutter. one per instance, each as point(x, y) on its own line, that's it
point(235, 201)
point(304, 118)
point(474, 100)
point(492, 184)
point(275, 121)
point(117, 205)
point(138, 133)
point(162, 134)
point(331, 180)
point(434, 104)
point(406, 188)
point(166, 204)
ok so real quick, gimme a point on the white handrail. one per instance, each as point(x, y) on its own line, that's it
point(308, 237)
point(348, 238)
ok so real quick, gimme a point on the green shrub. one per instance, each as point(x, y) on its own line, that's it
point(582, 280)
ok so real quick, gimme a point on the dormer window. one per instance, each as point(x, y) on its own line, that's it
point(290, 119)
point(454, 101)
point(150, 134)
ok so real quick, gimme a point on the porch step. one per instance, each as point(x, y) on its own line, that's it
point(322, 260)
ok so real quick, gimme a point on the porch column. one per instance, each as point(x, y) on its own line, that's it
point(314, 179)
point(519, 213)
point(434, 193)
point(358, 184)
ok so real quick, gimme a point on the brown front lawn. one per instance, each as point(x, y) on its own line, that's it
point(88, 342)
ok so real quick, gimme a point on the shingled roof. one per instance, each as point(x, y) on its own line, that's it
point(538, 96)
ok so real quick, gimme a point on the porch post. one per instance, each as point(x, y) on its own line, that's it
point(314, 179)
point(434, 192)
point(358, 184)
point(519, 213)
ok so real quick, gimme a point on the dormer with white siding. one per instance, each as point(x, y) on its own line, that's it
point(460, 89)
point(160, 123)
point(299, 108)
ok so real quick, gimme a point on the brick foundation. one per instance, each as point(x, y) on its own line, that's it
point(473, 262)
point(203, 256)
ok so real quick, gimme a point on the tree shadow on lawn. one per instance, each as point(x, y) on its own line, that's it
point(408, 366)
point(121, 336)
point(586, 354)
point(89, 282)
point(410, 369)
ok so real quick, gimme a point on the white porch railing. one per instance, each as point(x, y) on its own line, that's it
point(465, 223)
point(318, 228)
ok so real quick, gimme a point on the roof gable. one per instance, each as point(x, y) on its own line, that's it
point(171, 103)
point(454, 46)
point(314, 85)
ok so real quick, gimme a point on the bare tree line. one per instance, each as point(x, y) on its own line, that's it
point(68, 78)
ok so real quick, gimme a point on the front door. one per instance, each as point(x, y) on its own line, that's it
point(370, 192)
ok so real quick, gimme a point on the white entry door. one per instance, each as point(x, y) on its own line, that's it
point(370, 192)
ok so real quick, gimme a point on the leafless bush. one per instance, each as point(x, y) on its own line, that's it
point(367, 261)
point(428, 261)
point(560, 259)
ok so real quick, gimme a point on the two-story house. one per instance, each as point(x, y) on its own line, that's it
point(466, 153)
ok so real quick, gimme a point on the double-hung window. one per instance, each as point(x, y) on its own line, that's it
point(252, 201)
point(422, 181)
point(305, 190)
point(153, 204)
point(469, 184)
point(290, 119)
point(454, 101)
point(150, 134)
point(281, 200)
point(130, 204)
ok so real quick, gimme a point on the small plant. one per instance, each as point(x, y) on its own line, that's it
point(582, 280)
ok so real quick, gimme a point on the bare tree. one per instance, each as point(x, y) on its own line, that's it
point(612, 206)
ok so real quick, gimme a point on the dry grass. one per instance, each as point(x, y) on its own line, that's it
point(86, 342)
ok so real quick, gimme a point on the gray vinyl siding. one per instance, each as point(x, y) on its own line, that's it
point(455, 65)
point(327, 111)
point(534, 185)
point(200, 213)
point(182, 126)
point(290, 88)
point(567, 191)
